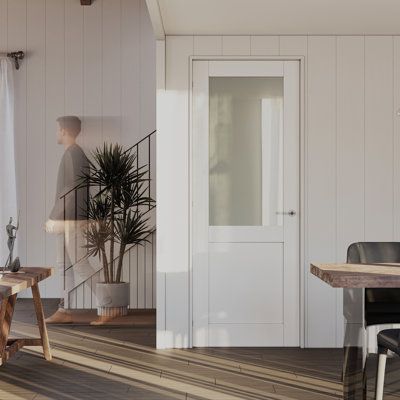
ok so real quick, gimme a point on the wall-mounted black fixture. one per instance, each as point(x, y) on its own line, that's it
point(17, 56)
point(86, 2)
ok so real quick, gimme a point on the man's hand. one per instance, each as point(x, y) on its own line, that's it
point(49, 226)
point(53, 226)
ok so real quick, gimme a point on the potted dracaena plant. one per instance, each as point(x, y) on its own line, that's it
point(116, 208)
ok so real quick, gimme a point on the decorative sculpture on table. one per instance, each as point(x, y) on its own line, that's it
point(11, 264)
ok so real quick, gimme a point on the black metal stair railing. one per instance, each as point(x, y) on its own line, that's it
point(144, 150)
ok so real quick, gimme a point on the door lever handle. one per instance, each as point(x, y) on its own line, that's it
point(291, 213)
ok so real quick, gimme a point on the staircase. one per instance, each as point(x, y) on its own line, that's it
point(139, 260)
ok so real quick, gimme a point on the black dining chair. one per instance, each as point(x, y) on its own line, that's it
point(388, 339)
point(382, 305)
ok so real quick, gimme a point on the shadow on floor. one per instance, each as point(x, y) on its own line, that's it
point(101, 362)
point(143, 333)
point(30, 377)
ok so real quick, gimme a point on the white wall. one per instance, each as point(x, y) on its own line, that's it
point(97, 62)
point(352, 168)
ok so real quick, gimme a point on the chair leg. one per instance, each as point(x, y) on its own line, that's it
point(364, 383)
point(380, 375)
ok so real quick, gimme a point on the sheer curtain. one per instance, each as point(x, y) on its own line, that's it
point(8, 190)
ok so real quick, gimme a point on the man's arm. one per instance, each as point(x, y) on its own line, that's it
point(63, 206)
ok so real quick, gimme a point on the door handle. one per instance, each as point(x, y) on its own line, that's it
point(291, 213)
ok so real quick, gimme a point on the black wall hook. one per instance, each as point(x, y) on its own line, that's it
point(17, 56)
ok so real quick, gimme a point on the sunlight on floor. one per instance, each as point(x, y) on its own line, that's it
point(114, 363)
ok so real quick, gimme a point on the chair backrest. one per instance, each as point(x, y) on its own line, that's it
point(376, 252)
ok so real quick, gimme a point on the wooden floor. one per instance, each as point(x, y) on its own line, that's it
point(121, 363)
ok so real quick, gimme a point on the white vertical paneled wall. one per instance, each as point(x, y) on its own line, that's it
point(35, 120)
point(349, 151)
point(97, 62)
point(379, 151)
point(162, 189)
point(175, 209)
point(396, 137)
point(351, 168)
point(321, 182)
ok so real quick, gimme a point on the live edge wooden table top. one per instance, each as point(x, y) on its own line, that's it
point(10, 285)
point(358, 275)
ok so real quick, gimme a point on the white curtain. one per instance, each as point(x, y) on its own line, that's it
point(8, 189)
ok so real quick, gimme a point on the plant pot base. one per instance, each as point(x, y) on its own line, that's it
point(111, 312)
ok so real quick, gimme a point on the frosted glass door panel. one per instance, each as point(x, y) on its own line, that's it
point(246, 151)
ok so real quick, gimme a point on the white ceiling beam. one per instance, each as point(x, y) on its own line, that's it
point(280, 17)
point(156, 19)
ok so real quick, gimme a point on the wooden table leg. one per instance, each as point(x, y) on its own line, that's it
point(6, 314)
point(40, 320)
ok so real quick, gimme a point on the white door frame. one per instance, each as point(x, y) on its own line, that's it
point(302, 182)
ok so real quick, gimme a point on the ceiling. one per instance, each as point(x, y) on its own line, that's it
point(266, 17)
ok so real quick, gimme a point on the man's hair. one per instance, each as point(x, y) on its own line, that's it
point(70, 123)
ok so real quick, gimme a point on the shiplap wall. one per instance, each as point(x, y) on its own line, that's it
point(97, 62)
point(351, 155)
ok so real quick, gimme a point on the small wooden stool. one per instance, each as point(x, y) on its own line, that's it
point(10, 285)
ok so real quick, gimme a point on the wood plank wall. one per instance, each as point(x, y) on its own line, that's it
point(351, 185)
point(97, 62)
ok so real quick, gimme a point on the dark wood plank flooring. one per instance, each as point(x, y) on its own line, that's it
point(122, 363)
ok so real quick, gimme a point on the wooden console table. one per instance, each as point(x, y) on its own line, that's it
point(10, 285)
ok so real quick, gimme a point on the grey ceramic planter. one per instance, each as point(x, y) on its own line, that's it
point(112, 299)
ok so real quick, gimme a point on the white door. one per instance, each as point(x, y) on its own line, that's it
point(245, 149)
